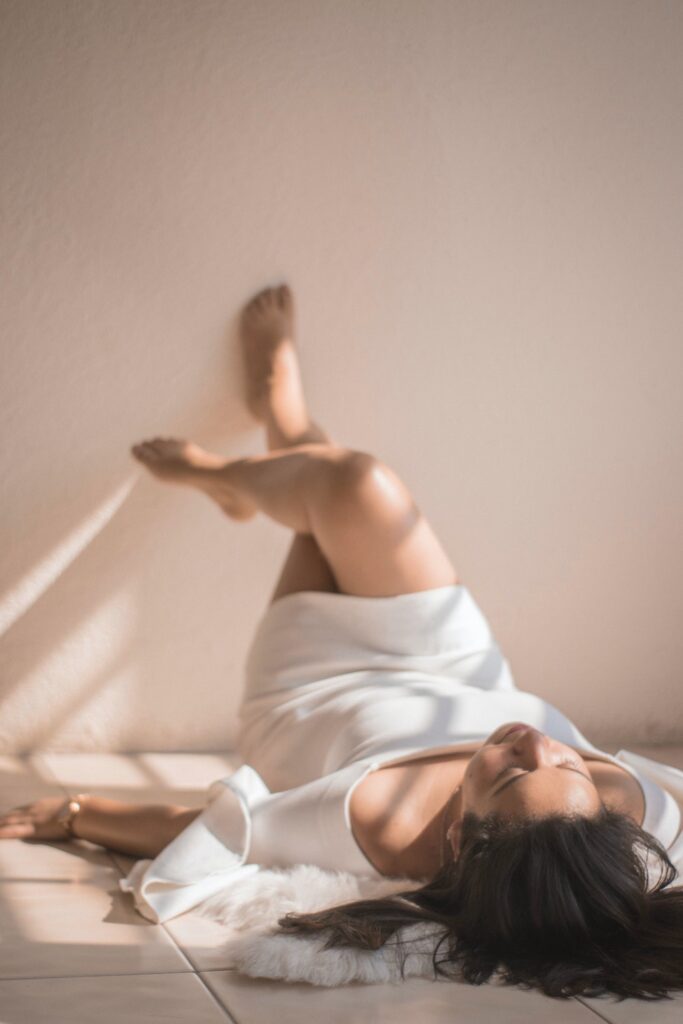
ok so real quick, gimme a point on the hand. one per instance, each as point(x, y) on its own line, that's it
point(37, 820)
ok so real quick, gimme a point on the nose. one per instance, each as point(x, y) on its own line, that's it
point(533, 746)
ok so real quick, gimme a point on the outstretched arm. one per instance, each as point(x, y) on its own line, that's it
point(139, 830)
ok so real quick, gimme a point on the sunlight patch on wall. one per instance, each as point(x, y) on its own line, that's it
point(102, 716)
point(87, 661)
point(26, 592)
point(194, 770)
point(99, 769)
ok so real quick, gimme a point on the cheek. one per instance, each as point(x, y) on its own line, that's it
point(474, 778)
point(470, 779)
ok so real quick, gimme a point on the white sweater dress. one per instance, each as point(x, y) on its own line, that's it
point(336, 687)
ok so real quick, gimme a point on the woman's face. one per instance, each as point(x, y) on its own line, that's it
point(518, 770)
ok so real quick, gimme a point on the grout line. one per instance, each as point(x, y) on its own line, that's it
point(191, 968)
point(56, 977)
point(179, 948)
point(216, 1000)
point(224, 1008)
point(593, 1010)
point(215, 970)
point(173, 941)
point(195, 967)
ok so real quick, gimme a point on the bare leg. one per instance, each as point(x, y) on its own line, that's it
point(354, 509)
point(361, 514)
point(275, 396)
point(274, 388)
point(305, 568)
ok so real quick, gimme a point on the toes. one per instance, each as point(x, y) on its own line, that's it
point(145, 450)
point(263, 304)
point(265, 298)
point(161, 450)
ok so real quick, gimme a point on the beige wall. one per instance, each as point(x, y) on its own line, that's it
point(478, 206)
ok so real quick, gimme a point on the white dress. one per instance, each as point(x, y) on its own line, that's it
point(336, 687)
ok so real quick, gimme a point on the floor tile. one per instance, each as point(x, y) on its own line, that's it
point(23, 780)
point(123, 862)
point(201, 940)
point(638, 1011)
point(257, 1001)
point(50, 860)
point(85, 926)
point(136, 999)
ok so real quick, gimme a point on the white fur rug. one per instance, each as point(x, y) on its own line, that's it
point(254, 907)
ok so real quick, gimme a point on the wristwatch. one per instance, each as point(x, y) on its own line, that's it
point(67, 815)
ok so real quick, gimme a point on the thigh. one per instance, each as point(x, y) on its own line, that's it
point(375, 538)
point(305, 568)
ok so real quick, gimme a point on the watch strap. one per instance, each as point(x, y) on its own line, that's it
point(66, 816)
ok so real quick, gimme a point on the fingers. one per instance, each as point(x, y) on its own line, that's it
point(13, 820)
point(37, 819)
point(14, 816)
point(18, 830)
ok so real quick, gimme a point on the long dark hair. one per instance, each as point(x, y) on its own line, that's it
point(559, 903)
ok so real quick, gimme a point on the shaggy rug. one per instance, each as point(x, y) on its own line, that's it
point(254, 906)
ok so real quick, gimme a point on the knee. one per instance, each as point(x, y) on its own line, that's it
point(358, 477)
point(351, 471)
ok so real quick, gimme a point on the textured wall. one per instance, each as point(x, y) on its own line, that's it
point(478, 207)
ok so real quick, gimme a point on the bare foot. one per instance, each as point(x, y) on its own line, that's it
point(267, 333)
point(184, 462)
point(274, 386)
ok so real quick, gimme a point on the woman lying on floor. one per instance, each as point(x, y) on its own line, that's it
point(383, 734)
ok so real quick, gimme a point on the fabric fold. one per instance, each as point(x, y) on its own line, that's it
point(206, 856)
point(662, 786)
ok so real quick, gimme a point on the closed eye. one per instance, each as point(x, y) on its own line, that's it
point(563, 764)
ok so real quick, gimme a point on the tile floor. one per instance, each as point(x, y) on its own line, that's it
point(75, 950)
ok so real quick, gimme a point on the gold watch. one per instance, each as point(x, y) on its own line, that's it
point(67, 815)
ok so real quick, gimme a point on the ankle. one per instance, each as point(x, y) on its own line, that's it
point(286, 432)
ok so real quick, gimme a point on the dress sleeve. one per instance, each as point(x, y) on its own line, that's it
point(245, 827)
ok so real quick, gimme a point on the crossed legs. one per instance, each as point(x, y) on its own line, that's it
point(357, 528)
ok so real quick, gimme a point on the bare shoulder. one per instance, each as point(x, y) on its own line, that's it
point(618, 788)
point(371, 820)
